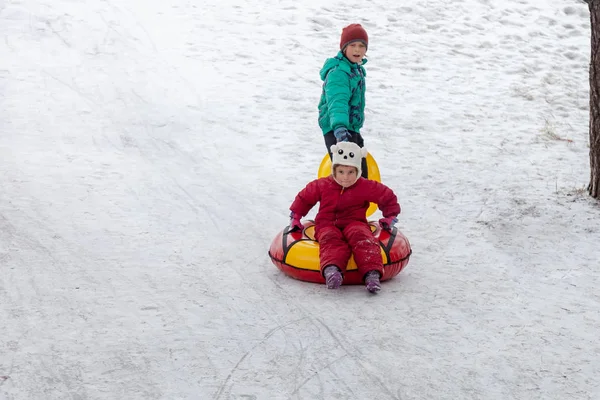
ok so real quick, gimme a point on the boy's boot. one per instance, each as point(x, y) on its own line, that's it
point(333, 277)
point(372, 281)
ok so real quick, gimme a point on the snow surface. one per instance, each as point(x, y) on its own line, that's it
point(149, 152)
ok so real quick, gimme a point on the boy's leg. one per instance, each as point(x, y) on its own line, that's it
point(358, 139)
point(330, 140)
point(333, 248)
point(365, 170)
point(366, 249)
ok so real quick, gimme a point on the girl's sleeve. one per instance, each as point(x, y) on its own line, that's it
point(306, 199)
point(338, 93)
point(385, 198)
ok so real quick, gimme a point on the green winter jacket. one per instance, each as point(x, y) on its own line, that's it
point(343, 98)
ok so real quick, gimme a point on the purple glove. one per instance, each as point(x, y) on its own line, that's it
point(387, 223)
point(295, 224)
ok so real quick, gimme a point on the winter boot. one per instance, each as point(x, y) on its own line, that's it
point(372, 281)
point(333, 277)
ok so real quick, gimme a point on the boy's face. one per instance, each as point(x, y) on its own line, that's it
point(355, 52)
point(345, 175)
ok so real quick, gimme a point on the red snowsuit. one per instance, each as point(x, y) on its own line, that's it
point(341, 226)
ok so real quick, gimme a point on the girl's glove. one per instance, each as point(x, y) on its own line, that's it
point(342, 134)
point(387, 223)
point(295, 224)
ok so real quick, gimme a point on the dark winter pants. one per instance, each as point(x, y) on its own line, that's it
point(336, 246)
point(330, 140)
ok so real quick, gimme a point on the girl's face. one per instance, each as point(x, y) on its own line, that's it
point(355, 52)
point(345, 175)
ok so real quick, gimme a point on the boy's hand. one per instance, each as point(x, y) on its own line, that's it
point(342, 134)
point(387, 223)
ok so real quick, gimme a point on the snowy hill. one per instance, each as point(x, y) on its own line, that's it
point(149, 152)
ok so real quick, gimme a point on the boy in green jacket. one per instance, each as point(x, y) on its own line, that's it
point(342, 104)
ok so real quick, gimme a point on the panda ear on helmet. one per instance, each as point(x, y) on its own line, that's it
point(363, 152)
point(333, 148)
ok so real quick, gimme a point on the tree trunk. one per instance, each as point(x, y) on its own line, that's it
point(594, 186)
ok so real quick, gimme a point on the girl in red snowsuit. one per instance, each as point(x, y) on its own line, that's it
point(341, 226)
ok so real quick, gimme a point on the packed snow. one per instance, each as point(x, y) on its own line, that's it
point(149, 153)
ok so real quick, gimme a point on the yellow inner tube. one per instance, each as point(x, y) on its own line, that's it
point(304, 254)
point(325, 170)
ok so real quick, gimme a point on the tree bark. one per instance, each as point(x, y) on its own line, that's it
point(594, 185)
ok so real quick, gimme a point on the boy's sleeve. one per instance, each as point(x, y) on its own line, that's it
point(385, 198)
point(338, 93)
point(306, 199)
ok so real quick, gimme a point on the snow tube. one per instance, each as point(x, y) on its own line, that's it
point(297, 254)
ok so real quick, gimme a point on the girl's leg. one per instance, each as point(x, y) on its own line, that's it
point(366, 249)
point(333, 248)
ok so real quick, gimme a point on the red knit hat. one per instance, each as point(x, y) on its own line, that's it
point(353, 33)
